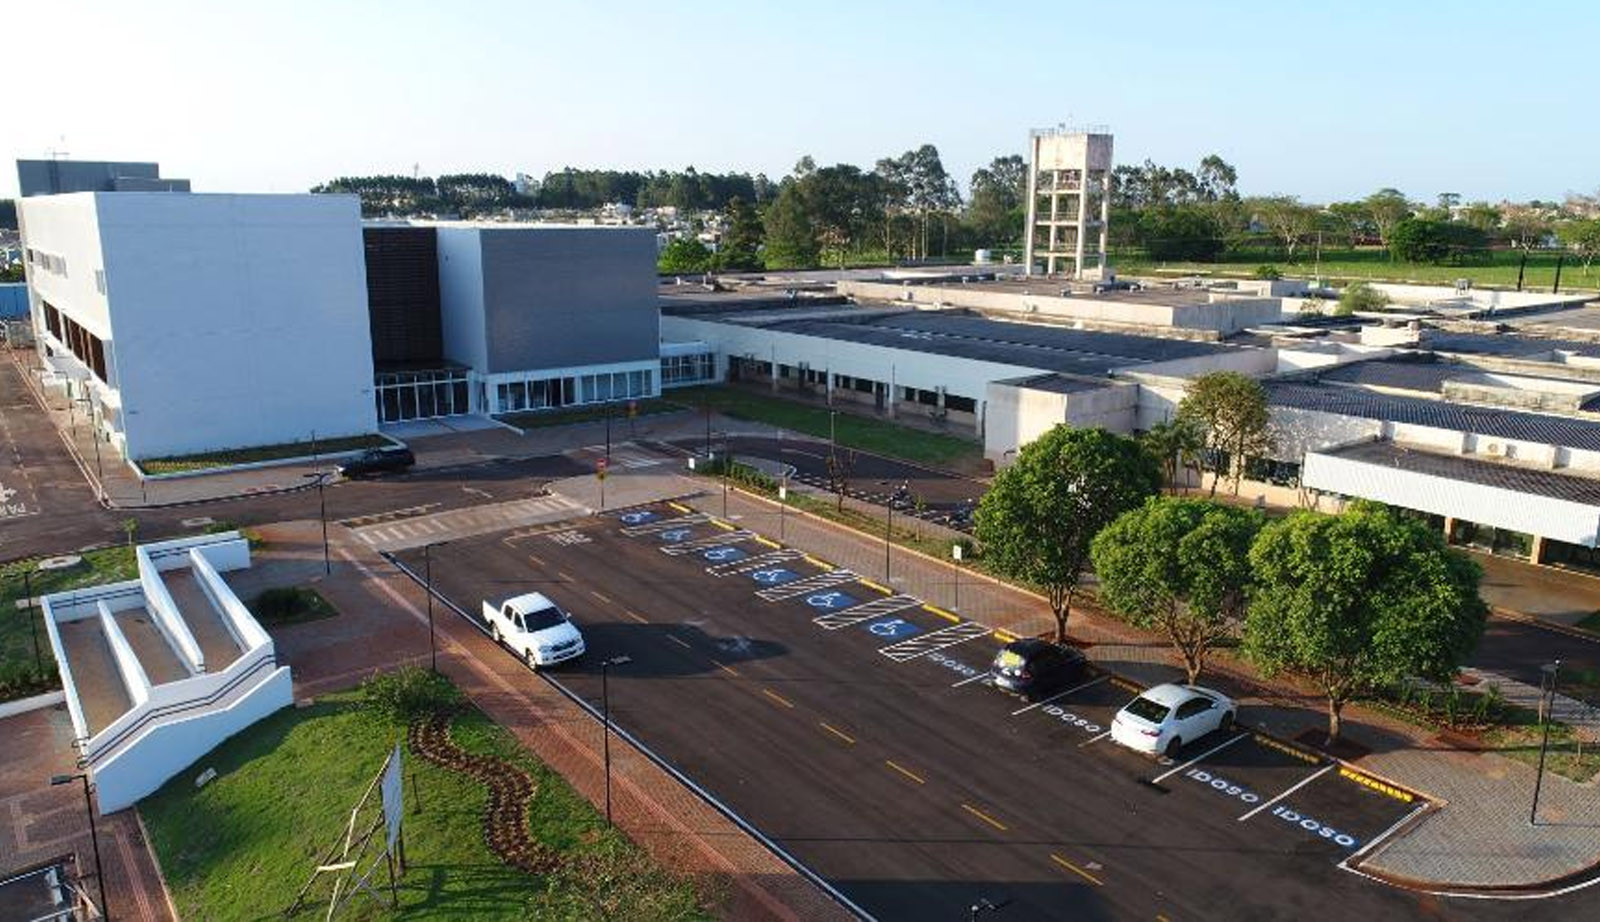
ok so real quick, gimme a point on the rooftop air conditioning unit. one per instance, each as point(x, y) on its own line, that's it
point(1494, 449)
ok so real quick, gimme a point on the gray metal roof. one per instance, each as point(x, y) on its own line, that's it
point(1471, 470)
point(1420, 411)
point(1508, 345)
point(1401, 374)
point(1057, 384)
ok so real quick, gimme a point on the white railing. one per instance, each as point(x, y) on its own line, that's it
point(134, 678)
point(238, 619)
point(159, 601)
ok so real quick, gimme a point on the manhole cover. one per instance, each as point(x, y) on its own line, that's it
point(64, 562)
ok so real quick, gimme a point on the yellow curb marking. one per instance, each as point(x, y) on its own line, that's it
point(680, 507)
point(767, 541)
point(1286, 749)
point(878, 586)
point(942, 613)
point(1376, 785)
point(819, 562)
point(1077, 870)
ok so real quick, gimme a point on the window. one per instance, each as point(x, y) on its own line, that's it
point(100, 281)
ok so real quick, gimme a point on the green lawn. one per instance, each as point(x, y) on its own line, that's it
point(1372, 263)
point(865, 433)
point(232, 456)
point(539, 419)
point(19, 676)
point(242, 846)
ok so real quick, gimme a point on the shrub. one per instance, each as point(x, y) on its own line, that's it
point(408, 693)
point(1359, 296)
point(1270, 273)
point(289, 603)
point(19, 680)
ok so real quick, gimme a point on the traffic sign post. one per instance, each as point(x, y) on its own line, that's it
point(783, 502)
point(955, 554)
point(600, 466)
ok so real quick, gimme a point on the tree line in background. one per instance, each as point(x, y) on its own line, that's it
point(1350, 602)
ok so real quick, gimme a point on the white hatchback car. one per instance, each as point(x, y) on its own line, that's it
point(1165, 717)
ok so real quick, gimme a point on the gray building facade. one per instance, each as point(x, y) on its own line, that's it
point(57, 177)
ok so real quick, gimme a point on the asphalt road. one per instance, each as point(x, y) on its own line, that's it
point(876, 753)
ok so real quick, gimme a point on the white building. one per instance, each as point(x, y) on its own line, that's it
point(198, 322)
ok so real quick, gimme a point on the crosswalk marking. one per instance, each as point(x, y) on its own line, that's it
point(937, 640)
point(809, 584)
point(856, 614)
point(467, 522)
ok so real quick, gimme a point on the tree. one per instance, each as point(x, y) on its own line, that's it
point(1420, 240)
point(1386, 208)
point(1218, 179)
point(1231, 409)
point(999, 196)
point(1180, 567)
point(1359, 296)
point(1361, 598)
point(1583, 237)
point(1354, 220)
point(1287, 218)
point(1482, 215)
point(740, 248)
point(1036, 521)
point(1180, 233)
point(1524, 225)
point(1175, 444)
point(839, 468)
point(684, 255)
point(791, 235)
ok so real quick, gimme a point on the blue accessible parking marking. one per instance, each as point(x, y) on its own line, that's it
point(892, 628)
point(636, 517)
point(674, 535)
point(831, 601)
point(776, 576)
point(723, 554)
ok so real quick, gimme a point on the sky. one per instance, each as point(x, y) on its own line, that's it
point(1327, 100)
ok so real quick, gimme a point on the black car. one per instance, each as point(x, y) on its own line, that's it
point(1032, 668)
point(378, 461)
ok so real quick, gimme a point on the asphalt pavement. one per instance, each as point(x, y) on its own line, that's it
point(856, 727)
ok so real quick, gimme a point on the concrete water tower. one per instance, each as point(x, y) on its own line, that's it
point(1069, 203)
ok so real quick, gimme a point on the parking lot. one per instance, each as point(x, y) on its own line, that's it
point(856, 727)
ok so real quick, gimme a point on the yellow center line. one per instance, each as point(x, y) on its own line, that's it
point(839, 733)
point(728, 669)
point(984, 816)
point(636, 616)
point(679, 641)
point(904, 771)
point(777, 697)
point(1077, 870)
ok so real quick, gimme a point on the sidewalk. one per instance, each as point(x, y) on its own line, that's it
point(1481, 837)
point(383, 624)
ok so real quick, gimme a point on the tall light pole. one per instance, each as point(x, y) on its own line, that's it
point(321, 478)
point(1547, 702)
point(608, 433)
point(94, 835)
point(427, 579)
point(605, 718)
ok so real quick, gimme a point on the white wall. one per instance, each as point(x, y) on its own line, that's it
point(461, 307)
point(233, 320)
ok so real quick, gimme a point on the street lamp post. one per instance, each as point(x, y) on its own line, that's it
point(608, 433)
point(888, 520)
point(427, 578)
point(94, 835)
point(605, 718)
point(321, 479)
point(1547, 701)
point(94, 435)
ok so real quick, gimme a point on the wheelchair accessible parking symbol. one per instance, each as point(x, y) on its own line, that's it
point(674, 535)
point(724, 554)
point(892, 628)
point(830, 601)
point(637, 518)
point(774, 577)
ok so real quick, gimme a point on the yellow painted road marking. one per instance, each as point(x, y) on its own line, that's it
point(819, 562)
point(904, 771)
point(1286, 749)
point(777, 697)
point(679, 641)
point(1125, 685)
point(984, 816)
point(728, 669)
point(564, 575)
point(536, 560)
point(837, 732)
point(679, 506)
point(1004, 636)
point(942, 613)
point(601, 596)
point(767, 541)
point(1162, 918)
point(636, 616)
point(1077, 870)
point(872, 585)
point(725, 526)
point(1376, 785)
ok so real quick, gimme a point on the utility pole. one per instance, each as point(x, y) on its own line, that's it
point(1547, 702)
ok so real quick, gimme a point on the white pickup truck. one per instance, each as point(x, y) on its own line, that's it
point(534, 628)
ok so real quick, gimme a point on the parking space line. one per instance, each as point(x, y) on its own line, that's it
point(935, 640)
point(1094, 739)
point(564, 576)
point(536, 560)
point(984, 816)
point(679, 641)
point(1209, 752)
point(975, 678)
point(904, 771)
point(636, 616)
point(1372, 843)
point(1076, 870)
point(777, 697)
point(837, 732)
point(1061, 695)
point(728, 669)
point(601, 596)
point(1314, 776)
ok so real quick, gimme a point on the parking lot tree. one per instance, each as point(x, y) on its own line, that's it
point(682, 256)
point(1181, 567)
point(1231, 410)
point(840, 465)
point(791, 234)
point(1355, 600)
point(1037, 520)
point(740, 249)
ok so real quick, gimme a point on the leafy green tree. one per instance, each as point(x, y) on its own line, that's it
point(1583, 237)
point(1359, 296)
point(1524, 225)
point(997, 211)
point(1358, 599)
point(1287, 219)
point(791, 235)
point(683, 256)
point(740, 248)
point(1218, 179)
point(1037, 519)
point(13, 273)
point(1353, 220)
point(1483, 216)
point(1180, 233)
point(1175, 444)
point(1231, 409)
point(1386, 208)
point(1180, 567)
point(1420, 240)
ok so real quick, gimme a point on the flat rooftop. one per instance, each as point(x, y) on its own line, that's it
point(1046, 287)
point(1056, 384)
point(1528, 480)
point(961, 335)
point(1505, 345)
point(1517, 425)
